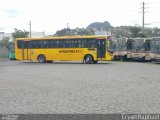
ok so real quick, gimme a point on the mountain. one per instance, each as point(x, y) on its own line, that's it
point(99, 26)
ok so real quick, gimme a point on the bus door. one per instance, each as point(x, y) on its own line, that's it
point(26, 54)
point(147, 45)
point(101, 48)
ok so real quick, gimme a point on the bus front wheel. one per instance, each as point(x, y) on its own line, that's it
point(88, 59)
point(41, 59)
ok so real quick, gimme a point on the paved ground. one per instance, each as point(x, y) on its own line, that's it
point(72, 87)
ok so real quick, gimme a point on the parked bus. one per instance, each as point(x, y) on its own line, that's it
point(11, 50)
point(155, 49)
point(148, 49)
point(89, 49)
point(112, 46)
point(123, 49)
point(141, 49)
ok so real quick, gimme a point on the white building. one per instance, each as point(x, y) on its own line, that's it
point(102, 32)
point(33, 35)
point(37, 34)
point(3, 34)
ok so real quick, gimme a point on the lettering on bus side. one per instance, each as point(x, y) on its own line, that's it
point(70, 51)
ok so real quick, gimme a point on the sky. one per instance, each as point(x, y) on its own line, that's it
point(52, 15)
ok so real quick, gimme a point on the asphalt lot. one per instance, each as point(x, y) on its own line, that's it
point(73, 87)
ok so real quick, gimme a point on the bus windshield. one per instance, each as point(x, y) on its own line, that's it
point(121, 44)
point(155, 45)
point(112, 46)
point(138, 45)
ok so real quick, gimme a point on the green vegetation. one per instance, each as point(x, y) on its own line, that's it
point(122, 31)
point(89, 30)
point(4, 41)
point(19, 34)
point(8, 51)
point(77, 31)
point(135, 31)
point(16, 34)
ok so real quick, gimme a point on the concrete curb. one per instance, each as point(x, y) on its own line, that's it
point(4, 59)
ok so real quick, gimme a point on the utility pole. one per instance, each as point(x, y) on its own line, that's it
point(43, 33)
point(67, 25)
point(30, 29)
point(143, 15)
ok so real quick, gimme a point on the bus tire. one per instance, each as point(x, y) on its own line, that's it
point(41, 59)
point(49, 61)
point(95, 62)
point(88, 59)
point(115, 58)
point(121, 58)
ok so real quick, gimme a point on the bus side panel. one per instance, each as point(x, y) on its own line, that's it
point(34, 53)
point(108, 56)
point(50, 54)
point(80, 53)
point(57, 54)
point(64, 53)
point(18, 52)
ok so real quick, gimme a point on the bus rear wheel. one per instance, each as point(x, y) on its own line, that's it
point(41, 59)
point(88, 59)
point(95, 62)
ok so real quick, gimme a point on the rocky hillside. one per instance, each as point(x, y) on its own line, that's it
point(99, 26)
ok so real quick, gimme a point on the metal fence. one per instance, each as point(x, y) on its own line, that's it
point(3, 51)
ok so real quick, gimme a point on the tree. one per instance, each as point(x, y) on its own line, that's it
point(4, 42)
point(71, 32)
point(135, 31)
point(63, 32)
point(19, 34)
point(156, 32)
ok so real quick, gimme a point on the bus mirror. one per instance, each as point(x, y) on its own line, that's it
point(108, 42)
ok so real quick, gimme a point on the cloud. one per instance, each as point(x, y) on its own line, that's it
point(52, 15)
point(11, 13)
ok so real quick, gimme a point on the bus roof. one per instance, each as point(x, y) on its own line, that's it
point(62, 37)
point(156, 38)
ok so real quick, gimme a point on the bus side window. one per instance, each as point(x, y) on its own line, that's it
point(29, 44)
point(53, 43)
point(40, 44)
point(69, 43)
point(75, 44)
point(45, 44)
point(61, 43)
point(57, 43)
point(19, 44)
point(84, 43)
point(66, 43)
point(49, 43)
point(33, 44)
point(79, 43)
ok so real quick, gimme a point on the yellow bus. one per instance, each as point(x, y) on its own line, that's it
point(89, 49)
